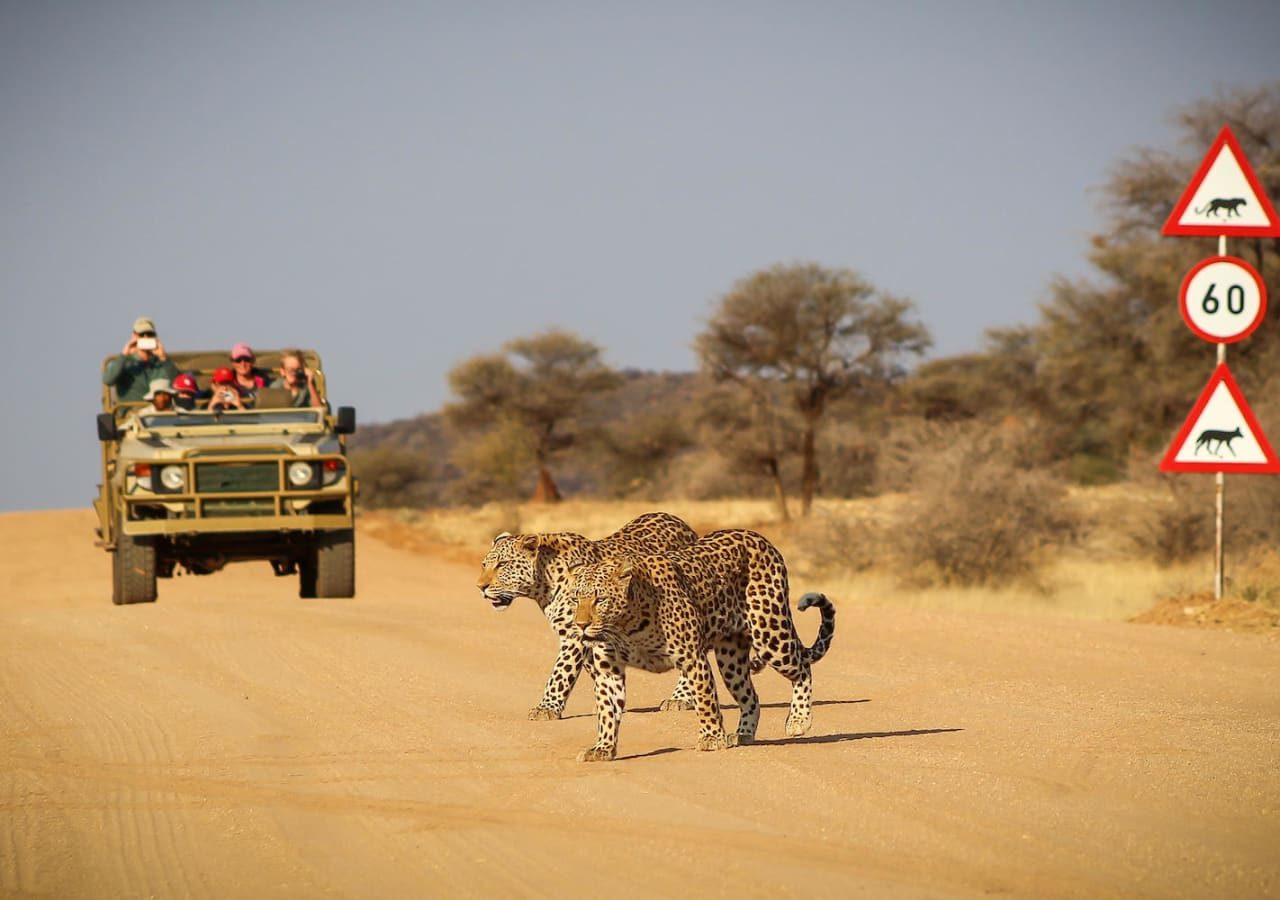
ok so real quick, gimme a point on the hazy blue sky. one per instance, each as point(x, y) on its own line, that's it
point(404, 185)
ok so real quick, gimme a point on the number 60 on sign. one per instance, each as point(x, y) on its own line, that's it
point(1223, 299)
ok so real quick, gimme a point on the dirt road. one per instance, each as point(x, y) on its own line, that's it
point(232, 740)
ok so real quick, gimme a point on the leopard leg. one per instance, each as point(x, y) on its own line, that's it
point(800, 716)
point(564, 675)
point(611, 700)
point(733, 657)
point(681, 697)
point(711, 734)
point(791, 665)
point(786, 656)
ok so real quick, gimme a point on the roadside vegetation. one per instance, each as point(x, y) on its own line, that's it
point(1028, 467)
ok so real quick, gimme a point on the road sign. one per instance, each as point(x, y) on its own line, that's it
point(1224, 197)
point(1223, 299)
point(1221, 434)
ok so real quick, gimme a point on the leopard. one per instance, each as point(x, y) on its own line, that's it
point(536, 565)
point(1230, 204)
point(726, 593)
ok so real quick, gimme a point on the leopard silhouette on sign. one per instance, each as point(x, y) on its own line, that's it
point(1231, 205)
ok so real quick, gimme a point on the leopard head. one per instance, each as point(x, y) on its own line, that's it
point(601, 593)
point(528, 565)
point(509, 569)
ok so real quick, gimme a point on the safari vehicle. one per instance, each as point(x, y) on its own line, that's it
point(200, 489)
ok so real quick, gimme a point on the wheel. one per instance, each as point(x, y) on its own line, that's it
point(336, 565)
point(133, 570)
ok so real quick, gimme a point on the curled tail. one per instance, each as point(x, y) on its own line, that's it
point(822, 643)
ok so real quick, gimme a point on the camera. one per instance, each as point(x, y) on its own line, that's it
point(146, 343)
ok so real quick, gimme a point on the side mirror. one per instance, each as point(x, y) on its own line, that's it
point(107, 430)
point(346, 422)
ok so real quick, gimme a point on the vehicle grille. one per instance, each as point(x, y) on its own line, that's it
point(234, 478)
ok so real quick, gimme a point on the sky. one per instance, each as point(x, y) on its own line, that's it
point(402, 186)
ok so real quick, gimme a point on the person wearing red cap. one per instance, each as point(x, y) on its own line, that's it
point(225, 394)
point(185, 390)
point(248, 379)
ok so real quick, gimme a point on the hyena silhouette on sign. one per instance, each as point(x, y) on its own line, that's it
point(1208, 437)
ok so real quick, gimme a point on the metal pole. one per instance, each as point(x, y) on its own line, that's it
point(1220, 483)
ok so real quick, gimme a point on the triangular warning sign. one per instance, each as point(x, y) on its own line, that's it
point(1221, 434)
point(1224, 197)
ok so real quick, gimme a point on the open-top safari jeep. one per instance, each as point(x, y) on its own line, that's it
point(200, 489)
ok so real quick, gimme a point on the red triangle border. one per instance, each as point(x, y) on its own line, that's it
point(1172, 226)
point(1221, 375)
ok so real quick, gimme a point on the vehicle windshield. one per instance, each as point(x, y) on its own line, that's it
point(237, 418)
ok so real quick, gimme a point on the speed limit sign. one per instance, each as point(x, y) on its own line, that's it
point(1223, 299)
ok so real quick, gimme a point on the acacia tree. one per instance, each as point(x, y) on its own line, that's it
point(527, 398)
point(818, 333)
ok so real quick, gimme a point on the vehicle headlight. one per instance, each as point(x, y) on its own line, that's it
point(301, 474)
point(174, 478)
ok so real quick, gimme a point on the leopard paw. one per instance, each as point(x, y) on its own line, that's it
point(539, 713)
point(798, 725)
point(597, 754)
point(672, 704)
point(718, 742)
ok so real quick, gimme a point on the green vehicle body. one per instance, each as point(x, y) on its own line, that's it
point(197, 490)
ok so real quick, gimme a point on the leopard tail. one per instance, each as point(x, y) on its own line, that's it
point(822, 643)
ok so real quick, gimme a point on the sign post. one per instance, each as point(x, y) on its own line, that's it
point(1223, 300)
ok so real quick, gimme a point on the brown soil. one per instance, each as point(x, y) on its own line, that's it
point(232, 740)
point(1202, 611)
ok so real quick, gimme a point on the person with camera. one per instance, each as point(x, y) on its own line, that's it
point(225, 393)
point(142, 360)
point(298, 379)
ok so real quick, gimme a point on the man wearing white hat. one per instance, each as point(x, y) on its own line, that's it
point(141, 361)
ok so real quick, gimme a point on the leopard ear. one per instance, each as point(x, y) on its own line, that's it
point(505, 534)
point(530, 542)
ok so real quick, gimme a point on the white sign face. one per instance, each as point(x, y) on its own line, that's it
point(1225, 196)
point(1223, 299)
point(1221, 434)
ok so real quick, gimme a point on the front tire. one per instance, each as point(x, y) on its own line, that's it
point(133, 570)
point(335, 565)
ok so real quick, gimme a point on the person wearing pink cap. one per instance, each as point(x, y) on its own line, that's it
point(248, 378)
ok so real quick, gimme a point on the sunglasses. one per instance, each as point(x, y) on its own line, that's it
point(145, 333)
point(242, 359)
point(290, 370)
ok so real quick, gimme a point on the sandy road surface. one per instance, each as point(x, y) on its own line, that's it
point(235, 741)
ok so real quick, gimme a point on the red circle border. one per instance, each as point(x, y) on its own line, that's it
point(1262, 299)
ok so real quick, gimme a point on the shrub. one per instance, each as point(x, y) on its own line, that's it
point(976, 518)
point(1174, 522)
point(392, 476)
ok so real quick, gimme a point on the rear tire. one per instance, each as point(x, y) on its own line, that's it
point(133, 570)
point(335, 565)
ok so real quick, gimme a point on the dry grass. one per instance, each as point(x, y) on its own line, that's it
point(838, 550)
